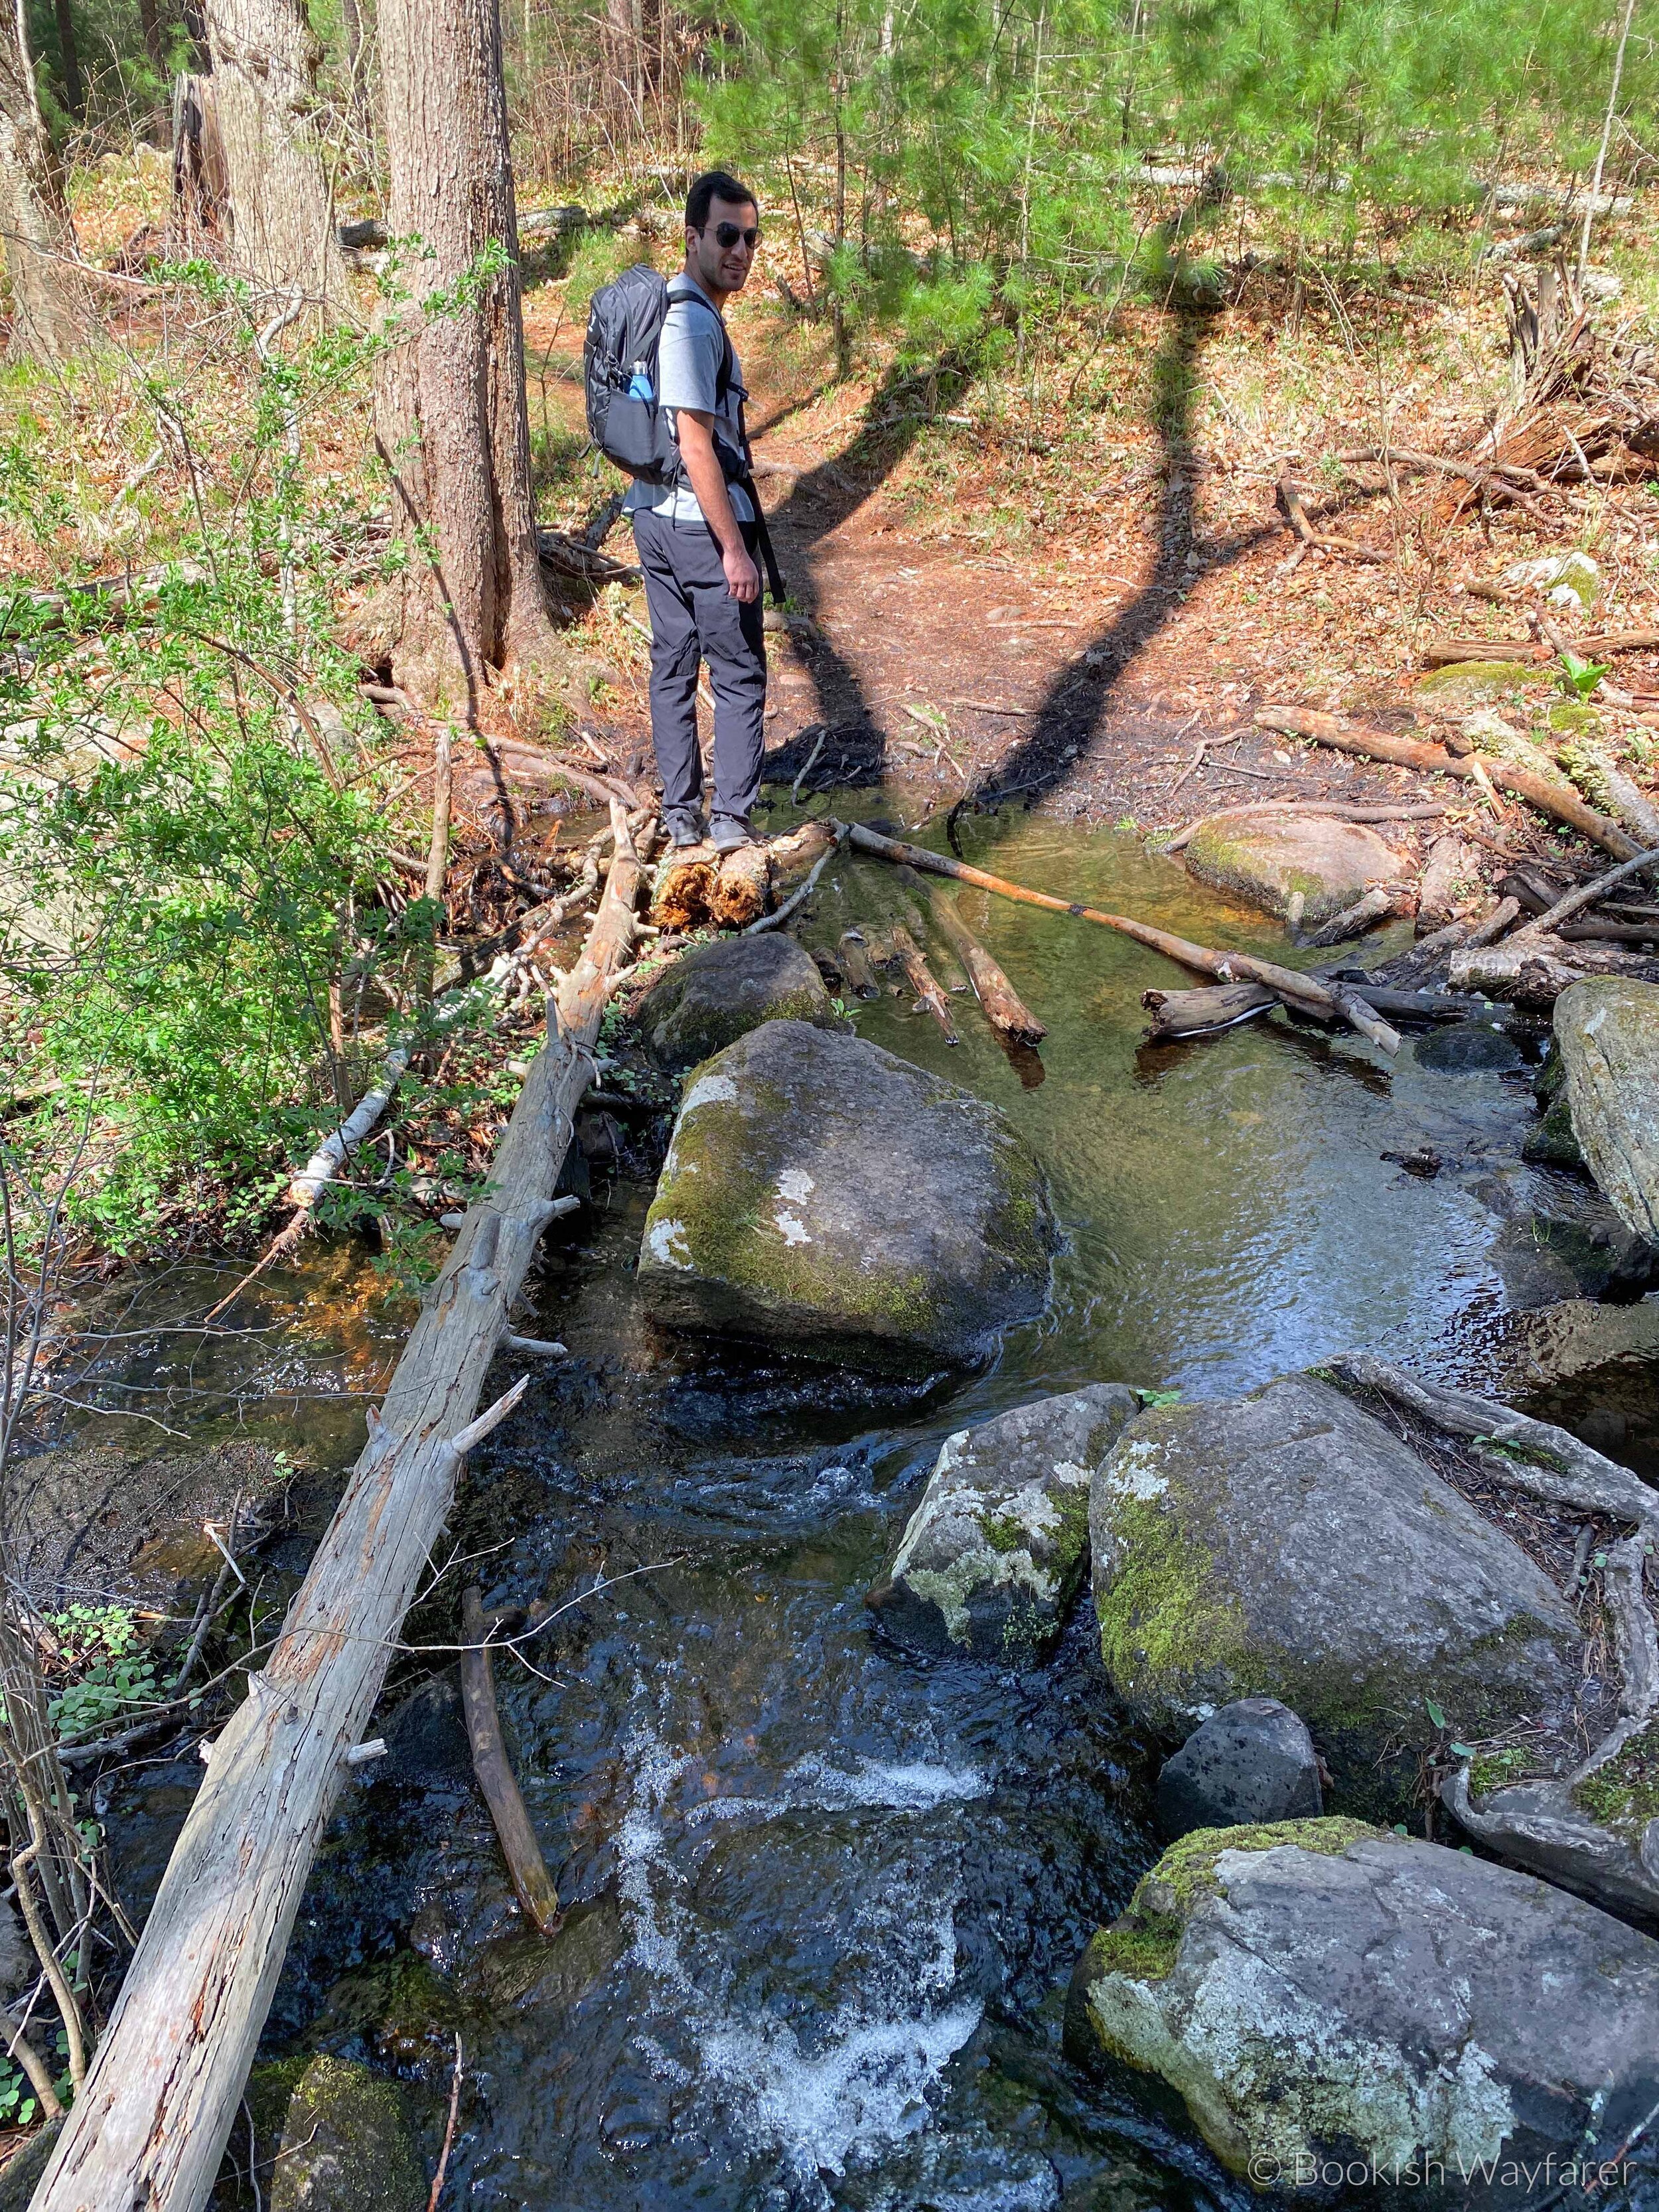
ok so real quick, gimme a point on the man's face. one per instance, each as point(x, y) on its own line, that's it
point(721, 251)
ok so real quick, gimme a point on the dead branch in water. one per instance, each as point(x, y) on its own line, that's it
point(532, 1882)
point(1328, 1001)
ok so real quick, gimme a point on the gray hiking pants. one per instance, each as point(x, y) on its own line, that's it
point(694, 618)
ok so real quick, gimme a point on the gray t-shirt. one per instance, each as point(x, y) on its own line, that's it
point(688, 358)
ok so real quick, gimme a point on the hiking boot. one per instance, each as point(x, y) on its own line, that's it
point(729, 833)
point(684, 830)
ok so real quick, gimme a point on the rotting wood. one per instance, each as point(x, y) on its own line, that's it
point(150, 2125)
point(922, 981)
point(852, 953)
point(1205, 1011)
point(1559, 801)
point(532, 1882)
point(742, 888)
point(1007, 1012)
point(684, 880)
point(1329, 1002)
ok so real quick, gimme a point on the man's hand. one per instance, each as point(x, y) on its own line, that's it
point(742, 576)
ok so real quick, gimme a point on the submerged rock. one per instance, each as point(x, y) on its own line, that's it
point(1273, 860)
point(992, 1556)
point(1467, 1049)
point(346, 2143)
point(1607, 1029)
point(1252, 1761)
point(1287, 1545)
point(1323, 1996)
point(713, 994)
point(825, 1195)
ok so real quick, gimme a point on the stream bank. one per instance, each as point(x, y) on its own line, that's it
point(825, 1898)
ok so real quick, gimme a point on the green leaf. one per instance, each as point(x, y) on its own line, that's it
point(1435, 1713)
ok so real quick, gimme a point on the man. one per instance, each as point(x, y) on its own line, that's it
point(696, 536)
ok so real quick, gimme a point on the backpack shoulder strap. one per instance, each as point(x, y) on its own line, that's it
point(726, 371)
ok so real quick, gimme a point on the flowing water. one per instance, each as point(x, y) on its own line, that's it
point(825, 1897)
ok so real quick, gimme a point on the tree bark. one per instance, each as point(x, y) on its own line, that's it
point(150, 24)
point(282, 208)
point(265, 59)
point(51, 310)
point(150, 2125)
point(452, 424)
point(69, 55)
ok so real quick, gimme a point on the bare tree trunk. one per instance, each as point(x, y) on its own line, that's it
point(265, 58)
point(150, 23)
point(68, 54)
point(52, 311)
point(451, 418)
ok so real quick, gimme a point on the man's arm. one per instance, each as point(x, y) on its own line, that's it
point(695, 432)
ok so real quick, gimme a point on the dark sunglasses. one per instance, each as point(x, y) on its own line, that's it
point(727, 235)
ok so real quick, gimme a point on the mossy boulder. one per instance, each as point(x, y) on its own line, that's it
point(714, 994)
point(1607, 1029)
point(823, 1195)
point(346, 2144)
point(1472, 683)
point(992, 1556)
point(1287, 1545)
point(1324, 1997)
point(1274, 860)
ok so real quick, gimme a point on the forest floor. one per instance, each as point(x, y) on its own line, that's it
point(1059, 598)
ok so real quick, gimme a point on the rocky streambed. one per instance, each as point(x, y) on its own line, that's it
point(947, 1440)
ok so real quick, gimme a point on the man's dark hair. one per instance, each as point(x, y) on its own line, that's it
point(714, 184)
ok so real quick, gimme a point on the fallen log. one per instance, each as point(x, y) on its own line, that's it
point(1329, 1002)
point(911, 958)
point(1559, 801)
point(684, 883)
point(1195, 1013)
point(532, 1882)
point(798, 897)
point(150, 2125)
point(1453, 652)
point(853, 955)
point(1005, 1011)
point(1204, 1011)
point(1378, 904)
point(1575, 902)
point(742, 888)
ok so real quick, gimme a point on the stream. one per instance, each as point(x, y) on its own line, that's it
point(825, 1897)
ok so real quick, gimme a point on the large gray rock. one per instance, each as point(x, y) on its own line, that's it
point(713, 994)
point(822, 1193)
point(1252, 1761)
point(992, 1556)
point(1287, 1545)
point(1607, 1029)
point(1324, 1998)
point(1273, 859)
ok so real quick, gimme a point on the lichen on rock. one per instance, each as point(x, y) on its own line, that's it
point(992, 1556)
point(1320, 1993)
point(1273, 859)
